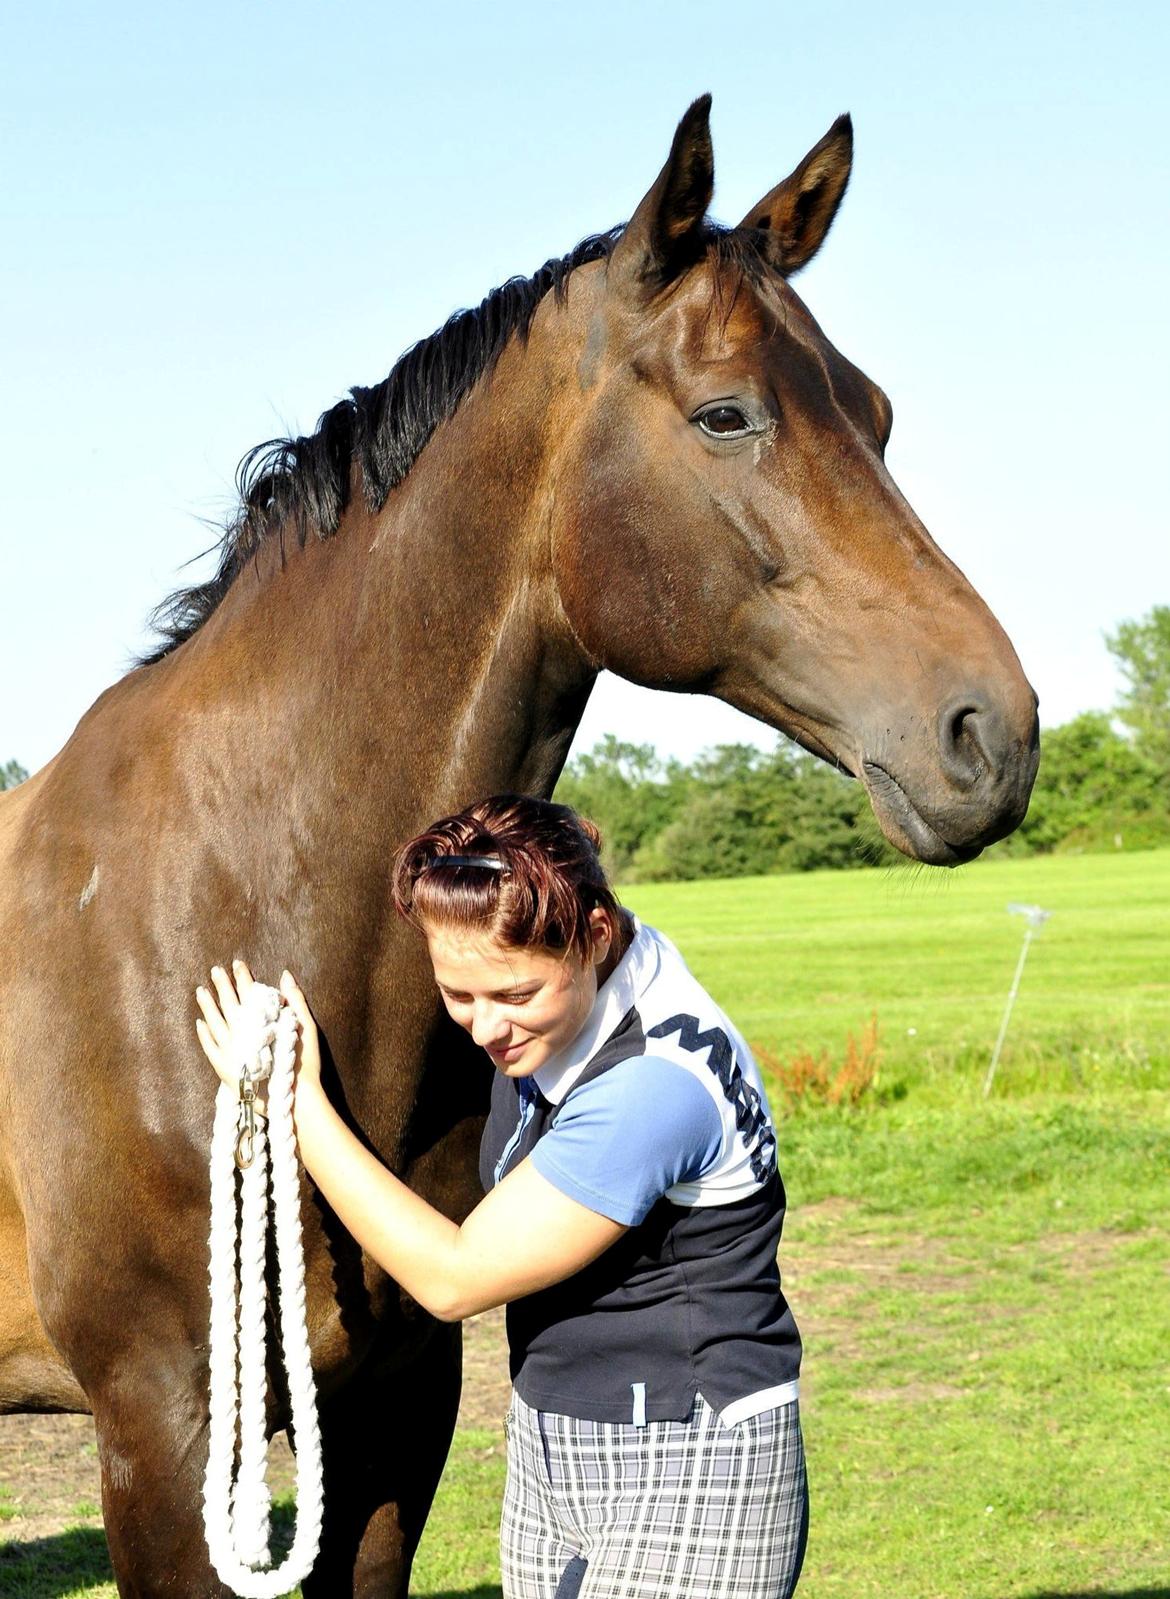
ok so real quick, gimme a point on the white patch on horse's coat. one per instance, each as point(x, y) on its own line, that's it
point(89, 890)
point(119, 1468)
point(470, 723)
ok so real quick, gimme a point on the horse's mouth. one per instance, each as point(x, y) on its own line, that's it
point(904, 824)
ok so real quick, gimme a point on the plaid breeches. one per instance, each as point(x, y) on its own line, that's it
point(671, 1510)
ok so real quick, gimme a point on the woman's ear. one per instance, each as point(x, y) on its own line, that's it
point(601, 927)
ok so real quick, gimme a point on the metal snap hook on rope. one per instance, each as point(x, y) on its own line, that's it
point(246, 1127)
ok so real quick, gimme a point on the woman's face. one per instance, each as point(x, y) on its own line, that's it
point(520, 1005)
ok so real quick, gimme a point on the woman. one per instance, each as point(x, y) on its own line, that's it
point(632, 1213)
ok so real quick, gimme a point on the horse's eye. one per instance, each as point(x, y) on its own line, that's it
point(723, 421)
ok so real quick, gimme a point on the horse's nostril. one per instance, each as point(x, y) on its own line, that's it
point(964, 754)
point(960, 720)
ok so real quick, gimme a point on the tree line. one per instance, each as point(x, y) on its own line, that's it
point(737, 811)
point(1103, 784)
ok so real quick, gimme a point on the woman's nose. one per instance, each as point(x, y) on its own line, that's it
point(487, 1025)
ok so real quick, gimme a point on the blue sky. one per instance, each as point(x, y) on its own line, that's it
point(222, 217)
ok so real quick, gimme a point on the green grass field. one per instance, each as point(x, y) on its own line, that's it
point(983, 1285)
point(798, 961)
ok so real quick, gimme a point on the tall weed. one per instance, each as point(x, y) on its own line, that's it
point(806, 1080)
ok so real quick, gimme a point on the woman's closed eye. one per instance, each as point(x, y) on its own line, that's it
point(504, 999)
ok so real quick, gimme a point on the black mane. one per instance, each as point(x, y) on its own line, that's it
point(303, 484)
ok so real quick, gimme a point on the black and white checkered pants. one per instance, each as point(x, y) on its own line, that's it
point(671, 1510)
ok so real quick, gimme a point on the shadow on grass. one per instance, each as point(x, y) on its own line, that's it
point(79, 1559)
point(75, 1561)
point(68, 1563)
point(490, 1591)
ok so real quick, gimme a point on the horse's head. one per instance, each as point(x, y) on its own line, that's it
point(725, 521)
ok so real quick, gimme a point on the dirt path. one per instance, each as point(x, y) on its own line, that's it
point(49, 1477)
point(48, 1464)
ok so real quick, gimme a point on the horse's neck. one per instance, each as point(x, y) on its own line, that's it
point(418, 658)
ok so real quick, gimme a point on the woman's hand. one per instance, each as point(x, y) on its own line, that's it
point(308, 1045)
point(214, 1028)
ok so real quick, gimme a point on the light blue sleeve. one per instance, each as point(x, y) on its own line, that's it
point(619, 1142)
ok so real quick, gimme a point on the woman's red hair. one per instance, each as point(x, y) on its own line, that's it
point(549, 880)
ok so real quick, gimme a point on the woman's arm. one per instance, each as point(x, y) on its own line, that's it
point(523, 1236)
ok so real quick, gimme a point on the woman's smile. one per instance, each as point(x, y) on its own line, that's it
point(492, 990)
point(508, 1053)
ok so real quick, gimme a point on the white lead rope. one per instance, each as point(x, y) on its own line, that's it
point(236, 1515)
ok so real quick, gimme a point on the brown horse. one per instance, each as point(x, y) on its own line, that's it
point(646, 458)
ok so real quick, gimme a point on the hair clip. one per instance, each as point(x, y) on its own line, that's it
point(492, 862)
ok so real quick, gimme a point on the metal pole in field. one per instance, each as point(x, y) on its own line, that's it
point(1035, 918)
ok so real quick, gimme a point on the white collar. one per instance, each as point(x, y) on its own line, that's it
point(624, 986)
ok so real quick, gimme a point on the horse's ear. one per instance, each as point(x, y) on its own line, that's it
point(665, 234)
point(799, 212)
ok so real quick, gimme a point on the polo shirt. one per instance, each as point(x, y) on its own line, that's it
point(656, 1116)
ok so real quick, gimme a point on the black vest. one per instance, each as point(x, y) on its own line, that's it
point(687, 1301)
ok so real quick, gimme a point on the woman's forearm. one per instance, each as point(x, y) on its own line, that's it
point(523, 1236)
point(415, 1243)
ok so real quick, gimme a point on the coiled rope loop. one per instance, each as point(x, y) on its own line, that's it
point(236, 1516)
